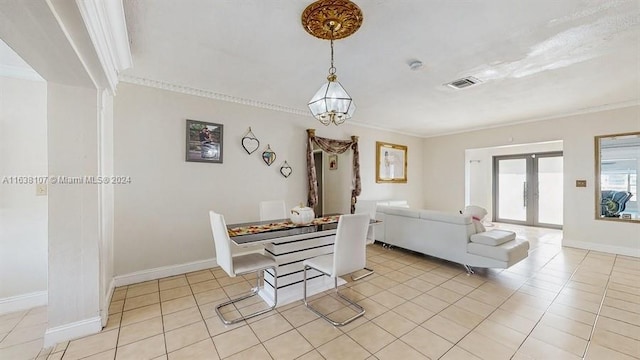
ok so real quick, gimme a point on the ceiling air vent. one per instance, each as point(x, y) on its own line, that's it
point(463, 83)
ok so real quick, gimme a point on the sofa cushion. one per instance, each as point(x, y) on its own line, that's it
point(508, 251)
point(445, 217)
point(400, 211)
point(494, 237)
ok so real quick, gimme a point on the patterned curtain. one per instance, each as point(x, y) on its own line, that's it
point(333, 147)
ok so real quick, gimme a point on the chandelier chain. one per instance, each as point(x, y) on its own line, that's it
point(331, 20)
point(332, 69)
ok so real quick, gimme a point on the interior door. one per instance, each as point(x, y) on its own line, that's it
point(512, 197)
point(528, 189)
point(549, 191)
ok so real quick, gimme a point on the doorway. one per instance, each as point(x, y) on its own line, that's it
point(24, 204)
point(528, 189)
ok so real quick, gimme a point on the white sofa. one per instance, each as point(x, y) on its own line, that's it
point(370, 207)
point(448, 236)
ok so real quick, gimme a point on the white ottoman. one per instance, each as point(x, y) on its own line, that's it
point(500, 245)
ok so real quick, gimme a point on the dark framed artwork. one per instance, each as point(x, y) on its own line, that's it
point(333, 162)
point(204, 142)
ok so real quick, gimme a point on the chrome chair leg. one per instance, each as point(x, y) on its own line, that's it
point(369, 272)
point(253, 292)
point(360, 312)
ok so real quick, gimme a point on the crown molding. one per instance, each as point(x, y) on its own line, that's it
point(105, 23)
point(163, 85)
point(380, 128)
point(583, 111)
point(19, 72)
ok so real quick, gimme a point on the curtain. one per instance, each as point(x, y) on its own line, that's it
point(333, 147)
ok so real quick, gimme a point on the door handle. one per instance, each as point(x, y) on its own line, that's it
point(524, 194)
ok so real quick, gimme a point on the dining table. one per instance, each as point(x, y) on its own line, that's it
point(289, 245)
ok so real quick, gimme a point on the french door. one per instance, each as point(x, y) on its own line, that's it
point(527, 189)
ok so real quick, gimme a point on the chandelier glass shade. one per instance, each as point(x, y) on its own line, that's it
point(332, 103)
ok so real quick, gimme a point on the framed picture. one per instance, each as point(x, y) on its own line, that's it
point(391, 163)
point(204, 142)
point(333, 162)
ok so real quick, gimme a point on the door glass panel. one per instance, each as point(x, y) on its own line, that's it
point(550, 190)
point(512, 180)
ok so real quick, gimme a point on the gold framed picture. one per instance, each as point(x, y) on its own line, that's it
point(391, 163)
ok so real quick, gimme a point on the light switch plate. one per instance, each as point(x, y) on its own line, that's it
point(581, 183)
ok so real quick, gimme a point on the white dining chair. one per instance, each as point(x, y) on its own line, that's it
point(349, 255)
point(240, 265)
point(367, 207)
point(273, 210)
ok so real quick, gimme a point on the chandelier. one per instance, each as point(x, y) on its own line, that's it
point(332, 20)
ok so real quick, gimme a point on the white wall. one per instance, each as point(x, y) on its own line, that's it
point(412, 190)
point(74, 231)
point(161, 218)
point(23, 215)
point(444, 164)
point(106, 196)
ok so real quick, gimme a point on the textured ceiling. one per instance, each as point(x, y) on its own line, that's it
point(535, 58)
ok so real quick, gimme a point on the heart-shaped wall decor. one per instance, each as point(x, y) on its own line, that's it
point(285, 169)
point(250, 143)
point(268, 156)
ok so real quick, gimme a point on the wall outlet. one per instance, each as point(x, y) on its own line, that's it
point(41, 189)
point(581, 183)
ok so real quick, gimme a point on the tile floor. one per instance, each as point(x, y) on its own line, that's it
point(561, 303)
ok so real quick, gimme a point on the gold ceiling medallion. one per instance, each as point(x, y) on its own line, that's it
point(332, 19)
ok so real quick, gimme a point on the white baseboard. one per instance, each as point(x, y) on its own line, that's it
point(620, 250)
point(71, 331)
point(23, 302)
point(162, 272)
